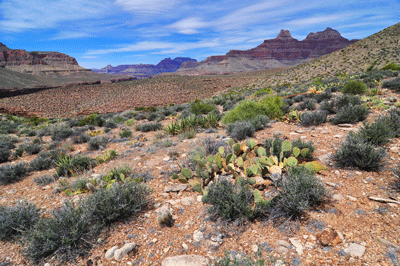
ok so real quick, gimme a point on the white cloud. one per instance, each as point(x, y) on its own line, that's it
point(21, 15)
point(147, 7)
point(65, 35)
point(188, 25)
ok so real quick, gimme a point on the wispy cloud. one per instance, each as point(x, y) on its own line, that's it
point(147, 6)
point(66, 35)
point(21, 15)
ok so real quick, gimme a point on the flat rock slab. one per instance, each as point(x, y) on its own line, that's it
point(355, 250)
point(185, 260)
point(175, 188)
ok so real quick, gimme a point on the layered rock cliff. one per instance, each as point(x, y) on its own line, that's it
point(282, 51)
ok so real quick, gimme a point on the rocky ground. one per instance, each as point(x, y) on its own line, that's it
point(348, 229)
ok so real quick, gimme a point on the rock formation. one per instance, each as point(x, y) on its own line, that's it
point(147, 70)
point(282, 51)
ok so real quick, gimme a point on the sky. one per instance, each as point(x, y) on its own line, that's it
point(115, 32)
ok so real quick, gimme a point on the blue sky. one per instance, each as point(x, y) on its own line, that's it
point(102, 32)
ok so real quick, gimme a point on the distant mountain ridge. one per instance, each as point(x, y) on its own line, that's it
point(20, 69)
point(284, 50)
point(146, 70)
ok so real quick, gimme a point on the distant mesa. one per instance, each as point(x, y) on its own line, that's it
point(282, 51)
point(166, 65)
point(21, 69)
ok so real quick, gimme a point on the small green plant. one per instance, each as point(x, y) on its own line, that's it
point(391, 66)
point(107, 156)
point(355, 87)
point(245, 110)
point(68, 165)
point(92, 119)
point(130, 122)
point(125, 133)
point(393, 84)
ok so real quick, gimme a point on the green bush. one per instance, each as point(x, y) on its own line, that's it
point(245, 110)
point(11, 173)
point(309, 104)
point(346, 99)
point(350, 114)
point(80, 138)
point(300, 190)
point(357, 152)
point(6, 144)
point(92, 119)
point(148, 127)
point(355, 87)
point(125, 133)
point(273, 106)
point(391, 66)
point(47, 159)
point(17, 219)
point(314, 118)
point(199, 108)
point(232, 201)
point(240, 130)
point(68, 233)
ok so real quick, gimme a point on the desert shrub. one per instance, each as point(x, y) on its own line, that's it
point(120, 201)
point(7, 127)
point(240, 130)
point(149, 127)
point(17, 219)
point(394, 121)
point(273, 106)
point(355, 151)
point(115, 173)
point(125, 133)
point(199, 108)
point(47, 159)
point(355, 87)
point(33, 148)
point(346, 99)
point(245, 110)
point(11, 173)
point(309, 104)
point(68, 165)
point(44, 180)
point(324, 96)
point(110, 124)
point(97, 143)
point(130, 122)
point(19, 151)
point(377, 133)
point(80, 138)
point(229, 260)
point(300, 190)
point(62, 234)
point(69, 231)
point(211, 145)
point(6, 144)
point(259, 122)
point(396, 184)
point(92, 119)
point(59, 133)
point(391, 66)
point(350, 114)
point(393, 84)
point(313, 118)
point(231, 201)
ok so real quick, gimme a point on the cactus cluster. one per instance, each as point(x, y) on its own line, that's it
point(246, 160)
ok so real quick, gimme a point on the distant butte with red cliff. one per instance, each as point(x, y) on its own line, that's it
point(282, 51)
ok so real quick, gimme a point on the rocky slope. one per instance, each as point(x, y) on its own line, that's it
point(282, 51)
point(147, 70)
